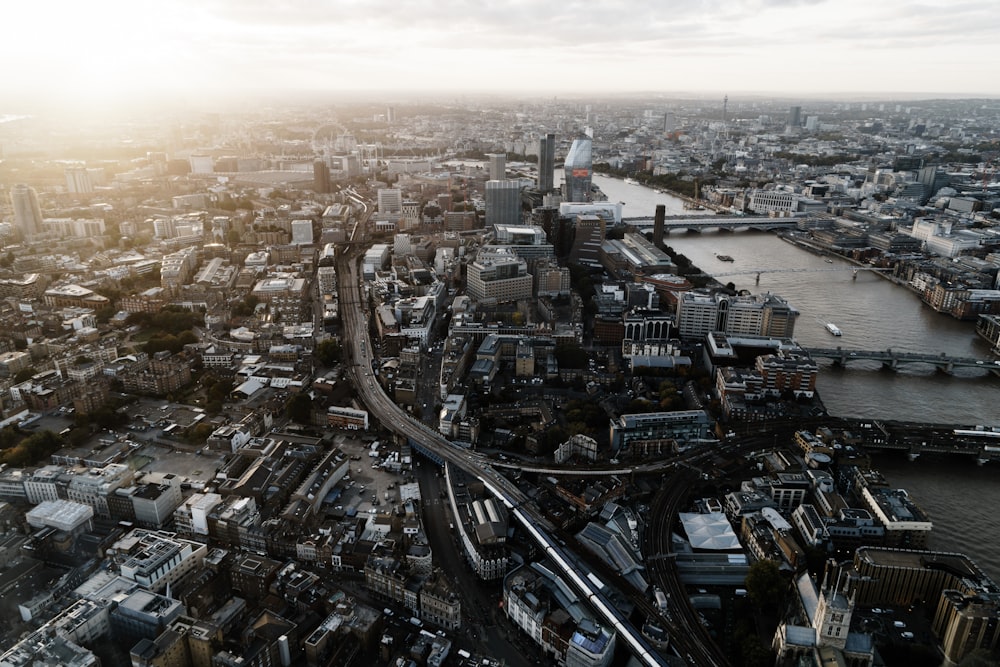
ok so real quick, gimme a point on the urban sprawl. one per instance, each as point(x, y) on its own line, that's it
point(400, 385)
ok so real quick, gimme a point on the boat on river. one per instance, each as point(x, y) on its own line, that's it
point(725, 258)
point(833, 328)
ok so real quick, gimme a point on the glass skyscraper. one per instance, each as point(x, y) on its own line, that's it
point(579, 170)
point(27, 213)
point(546, 162)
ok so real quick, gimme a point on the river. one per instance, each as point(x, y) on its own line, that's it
point(874, 314)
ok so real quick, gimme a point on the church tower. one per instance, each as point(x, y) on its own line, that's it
point(833, 615)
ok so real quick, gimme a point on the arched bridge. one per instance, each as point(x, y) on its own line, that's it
point(892, 359)
point(699, 222)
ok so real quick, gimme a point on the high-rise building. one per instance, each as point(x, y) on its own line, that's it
point(658, 220)
point(302, 232)
point(794, 116)
point(321, 177)
point(503, 202)
point(579, 170)
point(78, 181)
point(27, 212)
point(390, 200)
point(589, 234)
point(498, 166)
point(546, 162)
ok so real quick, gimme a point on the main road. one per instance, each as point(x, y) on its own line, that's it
point(358, 359)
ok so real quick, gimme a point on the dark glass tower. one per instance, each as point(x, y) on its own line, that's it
point(546, 162)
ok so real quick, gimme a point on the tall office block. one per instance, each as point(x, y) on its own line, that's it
point(546, 162)
point(794, 116)
point(321, 177)
point(503, 203)
point(79, 181)
point(390, 200)
point(498, 166)
point(658, 221)
point(27, 212)
point(579, 170)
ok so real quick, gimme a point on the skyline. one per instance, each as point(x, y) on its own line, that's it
point(115, 51)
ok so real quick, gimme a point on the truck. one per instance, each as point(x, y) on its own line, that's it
point(416, 622)
point(661, 599)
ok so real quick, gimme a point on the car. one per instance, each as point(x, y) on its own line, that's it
point(899, 624)
point(906, 635)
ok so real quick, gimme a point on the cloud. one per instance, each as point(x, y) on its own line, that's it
point(614, 45)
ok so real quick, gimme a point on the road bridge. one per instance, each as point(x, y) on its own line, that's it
point(698, 223)
point(893, 359)
point(759, 272)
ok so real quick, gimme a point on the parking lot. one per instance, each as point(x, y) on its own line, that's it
point(369, 485)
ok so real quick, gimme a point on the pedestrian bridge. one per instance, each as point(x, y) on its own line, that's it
point(701, 222)
point(893, 359)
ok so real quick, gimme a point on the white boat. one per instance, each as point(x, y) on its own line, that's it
point(833, 328)
point(631, 181)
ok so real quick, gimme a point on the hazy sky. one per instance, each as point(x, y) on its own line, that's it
point(72, 50)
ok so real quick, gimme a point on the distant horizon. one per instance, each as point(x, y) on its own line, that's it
point(12, 112)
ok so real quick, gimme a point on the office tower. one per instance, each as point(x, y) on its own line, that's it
point(390, 115)
point(589, 234)
point(321, 177)
point(78, 181)
point(658, 220)
point(794, 116)
point(390, 200)
point(579, 170)
point(27, 212)
point(498, 166)
point(546, 162)
point(669, 122)
point(503, 202)
point(302, 232)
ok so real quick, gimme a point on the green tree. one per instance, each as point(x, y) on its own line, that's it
point(328, 352)
point(199, 433)
point(766, 587)
point(299, 408)
point(30, 450)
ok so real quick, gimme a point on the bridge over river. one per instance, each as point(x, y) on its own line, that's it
point(892, 359)
point(700, 222)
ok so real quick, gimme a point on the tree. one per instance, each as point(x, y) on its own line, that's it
point(199, 433)
point(766, 586)
point(299, 408)
point(328, 352)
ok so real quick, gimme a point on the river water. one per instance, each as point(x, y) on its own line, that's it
point(874, 314)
